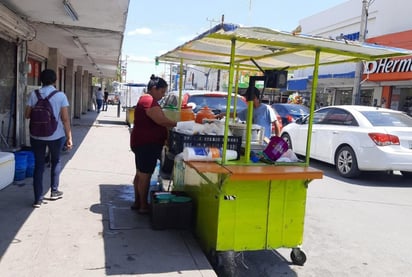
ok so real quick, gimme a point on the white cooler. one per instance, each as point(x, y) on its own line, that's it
point(6, 169)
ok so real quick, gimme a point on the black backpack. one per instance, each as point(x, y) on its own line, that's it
point(43, 123)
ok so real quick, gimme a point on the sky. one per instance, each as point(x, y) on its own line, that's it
point(156, 27)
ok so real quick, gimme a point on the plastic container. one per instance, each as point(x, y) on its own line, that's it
point(172, 113)
point(155, 184)
point(178, 141)
point(179, 172)
point(207, 154)
point(276, 148)
point(171, 215)
point(186, 113)
point(130, 116)
point(7, 167)
point(239, 129)
point(30, 163)
point(21, 166)
point(204, 113)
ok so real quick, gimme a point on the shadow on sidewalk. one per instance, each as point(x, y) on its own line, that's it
point(17, 198)
point(367, 178)
point(133, 247)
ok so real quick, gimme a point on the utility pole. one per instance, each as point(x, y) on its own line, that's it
point(356, 97)
point(125, 73)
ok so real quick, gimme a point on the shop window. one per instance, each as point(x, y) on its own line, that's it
point(33, 76)
point(366, 98)
point(405, 100)
point(343, 97)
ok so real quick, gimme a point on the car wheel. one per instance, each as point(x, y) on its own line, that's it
point(286, 138)
point(407, 174)
point(346, 163)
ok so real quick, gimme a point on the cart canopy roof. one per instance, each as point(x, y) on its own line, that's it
point(272, 49)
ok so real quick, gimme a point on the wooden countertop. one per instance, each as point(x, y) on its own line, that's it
point(210, 167)
point(259, 171)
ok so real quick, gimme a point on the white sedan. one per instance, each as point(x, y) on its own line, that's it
point(355, 139)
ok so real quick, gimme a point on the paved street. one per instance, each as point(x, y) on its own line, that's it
point(353, 228)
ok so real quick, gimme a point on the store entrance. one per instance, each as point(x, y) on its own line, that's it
point(401, 99)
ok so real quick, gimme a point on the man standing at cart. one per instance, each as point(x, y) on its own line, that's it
point(263, 114)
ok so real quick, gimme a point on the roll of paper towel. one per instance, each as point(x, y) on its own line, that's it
point(207, 154)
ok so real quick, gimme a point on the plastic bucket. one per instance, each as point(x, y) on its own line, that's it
point(21, 160)
point(20, 166)
point(30, 163)
point(19, 174)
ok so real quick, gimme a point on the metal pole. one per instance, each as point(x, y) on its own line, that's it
point(312, 105)
point(180, 85)
point(218, 80)
point(356, 97)
point(229, 96)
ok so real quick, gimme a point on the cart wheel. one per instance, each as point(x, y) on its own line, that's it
point(223, 262)
point(297, 256)
point(213, 258)
point(228, 262)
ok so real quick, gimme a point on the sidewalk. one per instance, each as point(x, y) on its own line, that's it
point(91, 231)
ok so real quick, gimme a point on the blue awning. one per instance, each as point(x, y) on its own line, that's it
point(297, 84)
point(347, 75)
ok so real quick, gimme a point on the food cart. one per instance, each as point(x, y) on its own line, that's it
point(241, 205)
point(129, 98)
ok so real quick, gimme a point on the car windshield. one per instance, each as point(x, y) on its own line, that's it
point(385, 118)
point(297, 109)
point(215, 103)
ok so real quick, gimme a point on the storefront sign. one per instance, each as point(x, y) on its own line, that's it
point(388, 66)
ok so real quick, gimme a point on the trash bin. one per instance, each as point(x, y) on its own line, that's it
point(130, 116)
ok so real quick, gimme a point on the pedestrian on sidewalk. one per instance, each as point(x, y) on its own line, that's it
point(105, 99)
point(94, 102)
point(147, 139)
point(99, 99)
point(51, 133)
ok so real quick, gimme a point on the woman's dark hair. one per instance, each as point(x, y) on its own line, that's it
point(48, 77)
point(156, 82)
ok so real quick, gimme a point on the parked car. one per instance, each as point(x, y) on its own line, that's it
point(215, 100)
point(355, 139)
point(290, 112)
point(280, 122)
point(113, 99)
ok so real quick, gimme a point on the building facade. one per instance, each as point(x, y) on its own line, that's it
point(58, 35)
point(387, 82)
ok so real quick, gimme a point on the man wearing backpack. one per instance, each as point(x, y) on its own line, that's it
point(47, 110)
